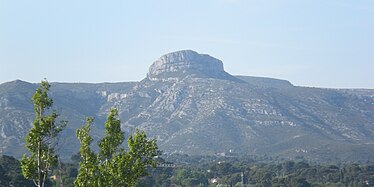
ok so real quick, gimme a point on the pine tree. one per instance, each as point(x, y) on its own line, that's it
point(42, 138)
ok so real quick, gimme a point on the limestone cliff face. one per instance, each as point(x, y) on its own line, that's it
point(187, 62)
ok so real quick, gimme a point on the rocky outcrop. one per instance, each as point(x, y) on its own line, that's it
point(184, 63)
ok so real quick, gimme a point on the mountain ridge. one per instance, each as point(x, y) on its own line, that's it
point(194, 111)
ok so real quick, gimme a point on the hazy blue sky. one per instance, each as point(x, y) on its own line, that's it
point(322, 43)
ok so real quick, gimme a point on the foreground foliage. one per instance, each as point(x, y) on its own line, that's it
point(114, 165)
point(227, 171)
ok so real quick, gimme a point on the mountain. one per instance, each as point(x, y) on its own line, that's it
point(191, 105)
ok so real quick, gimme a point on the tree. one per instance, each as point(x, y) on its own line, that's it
point(87, 165)
point(114, 165)
point(42, 138)
point(141, 154)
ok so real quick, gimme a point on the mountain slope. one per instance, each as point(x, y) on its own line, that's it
point(191, 105)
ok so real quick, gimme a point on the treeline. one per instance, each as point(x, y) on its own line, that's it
point(220, 171)
point(249, 172)
point(11, 173)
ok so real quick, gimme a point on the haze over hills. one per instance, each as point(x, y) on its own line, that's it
point(193, 106)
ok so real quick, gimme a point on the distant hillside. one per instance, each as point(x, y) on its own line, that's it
point(265, 82)
point(191, 105)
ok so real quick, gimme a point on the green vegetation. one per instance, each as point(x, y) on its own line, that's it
point(114, 166)
point(11, 174)
point(216, 171)
point(41, 139)
point(87, 166)
point(228, 171)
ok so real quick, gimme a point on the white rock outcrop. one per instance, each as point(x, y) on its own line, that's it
point(185, 62)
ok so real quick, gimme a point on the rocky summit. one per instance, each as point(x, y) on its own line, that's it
point(192, 106)
point(184, 63)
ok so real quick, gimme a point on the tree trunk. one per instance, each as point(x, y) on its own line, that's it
point(39, 165)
